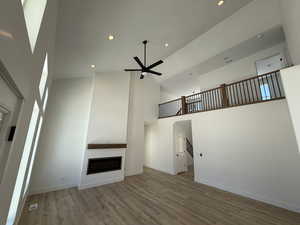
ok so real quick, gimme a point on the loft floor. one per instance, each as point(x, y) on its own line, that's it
point(153, 198)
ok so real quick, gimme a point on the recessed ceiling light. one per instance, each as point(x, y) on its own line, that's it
point(111, 37)
point(260, 36)
point(221, 2)
point(229, 61)
point(93, 66)
point(166, 45)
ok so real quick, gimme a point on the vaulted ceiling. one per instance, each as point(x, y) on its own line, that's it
point(84, 25)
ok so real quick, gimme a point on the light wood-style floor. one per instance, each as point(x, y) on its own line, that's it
point(153, 198)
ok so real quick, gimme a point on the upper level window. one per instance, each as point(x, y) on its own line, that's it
point(44, 78)
point(1, 119)
point(23, 165)
point(23, 2)
point(33, 156)
point(34, 12)
point(45, 100)
point(265, 92)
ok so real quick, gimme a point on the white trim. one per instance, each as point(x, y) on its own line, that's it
point(50, 189)
point(4, 74)
point(163, 170)
point(102, 182)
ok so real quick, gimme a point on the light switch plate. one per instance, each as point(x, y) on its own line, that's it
point(33, 206)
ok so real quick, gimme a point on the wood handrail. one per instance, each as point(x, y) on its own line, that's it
point(106, 146)
point(229, 95)
point(190, 147)
point(251, 78)
point(202, 92)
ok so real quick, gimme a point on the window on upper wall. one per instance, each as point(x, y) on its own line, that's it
point(1, 120)
point(24, 2)
point(33, 156)
point(34, 12)
point(46, 99)
point(23, 165)
point(265, 92)
point(44, 78)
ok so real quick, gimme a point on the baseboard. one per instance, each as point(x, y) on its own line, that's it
point(99, 183)
point(254, 196)
point(129, 173)
point(133, 174)
point(161, 170)
point(50, 189)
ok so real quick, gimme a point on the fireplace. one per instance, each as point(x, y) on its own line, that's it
point(100, 165)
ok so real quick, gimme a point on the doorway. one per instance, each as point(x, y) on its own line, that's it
point(10, 103)
point(183, 148)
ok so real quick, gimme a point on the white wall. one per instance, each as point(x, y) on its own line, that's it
point(109, 109)
point(63, 137)
point(290, 14)
point(135, 131)
point(151, 93)
point(291, 80)
point(166, 96)
point(239, 70)
point(232, 72)
point(249, 150)
point(159, 145)
point(25, 69)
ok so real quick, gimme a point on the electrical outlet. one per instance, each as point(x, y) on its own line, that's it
point(33, 206)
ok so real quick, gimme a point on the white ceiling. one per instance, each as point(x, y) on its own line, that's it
point(83, 27)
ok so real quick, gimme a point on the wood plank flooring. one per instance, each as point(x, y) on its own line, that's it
point(153, 198)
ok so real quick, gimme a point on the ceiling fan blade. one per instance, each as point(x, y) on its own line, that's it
point(139, 62)
point(129, 70)
point(155, 64)
point(154, 72)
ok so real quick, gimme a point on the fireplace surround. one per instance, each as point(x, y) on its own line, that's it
point(101, 165)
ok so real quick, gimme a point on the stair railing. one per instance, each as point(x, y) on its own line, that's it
point(189, 148)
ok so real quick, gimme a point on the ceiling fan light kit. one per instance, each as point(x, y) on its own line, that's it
point(145, 70)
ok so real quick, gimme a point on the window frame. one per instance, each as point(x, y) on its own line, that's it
point(265, 92)
point(16, 198)
point(44, 78)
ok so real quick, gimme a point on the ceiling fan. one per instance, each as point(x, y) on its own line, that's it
point(144, 68)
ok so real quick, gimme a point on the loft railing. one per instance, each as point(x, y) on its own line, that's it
point(266, 87)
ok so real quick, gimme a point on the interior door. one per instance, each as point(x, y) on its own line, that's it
point(181, 159)
point(9, 109)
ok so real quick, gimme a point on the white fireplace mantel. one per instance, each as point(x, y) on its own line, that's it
point(93, 180)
